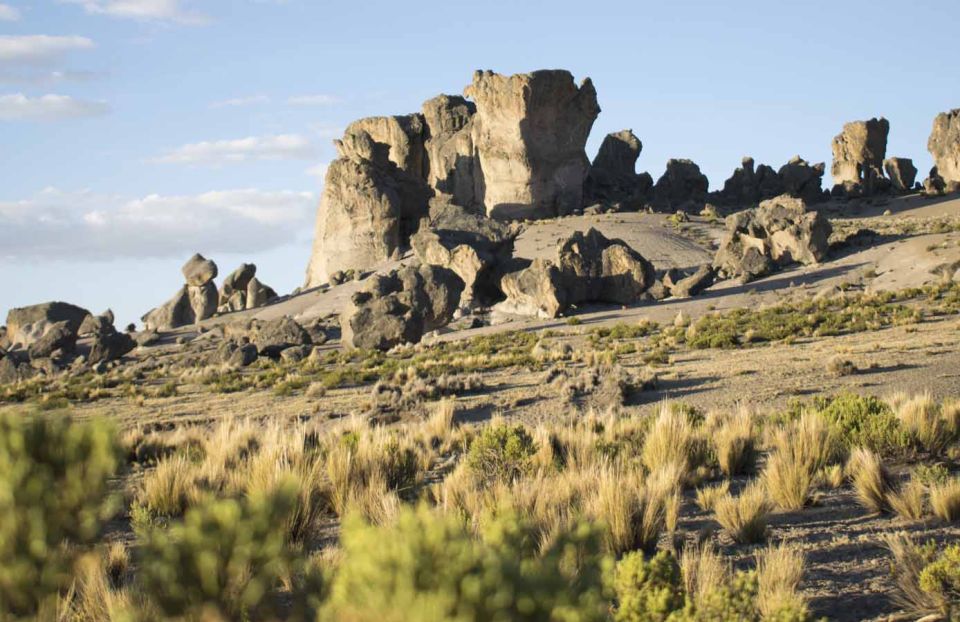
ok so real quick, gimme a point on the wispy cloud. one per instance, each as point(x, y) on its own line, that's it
point(313, 100)
point(279, 147)
point(55, 224)
point(39, 49)
point(318, 170)
point(237, 102)
point(8, 13)
point(143, 10)
point(19, 107)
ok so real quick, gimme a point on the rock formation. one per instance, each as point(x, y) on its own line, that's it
point(199, 271)
point(449, 165)
point(944, 146)
point(538, 290)
point(529, 134)
point(400, 307)
point(25, 325)
point(858, 154)
point(471, 245)
point(802, 180)
point(779, 232)
point(613, 178)
point(681, 187)
point(194, 302)
point(233, 292)
point(901, 172)
point(748, 186)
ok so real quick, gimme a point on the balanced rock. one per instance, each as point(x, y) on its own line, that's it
point(613, 178)
point(400, 307)
point(901, 172)
point(449, 167)
point(944, 146)
point(777, 233)
point(199, 271)
point(529, 134)
point(470, 245)
point(682, 186)
point(802, 180)
point(598, 269)
point(858, 154)
point(25, 325)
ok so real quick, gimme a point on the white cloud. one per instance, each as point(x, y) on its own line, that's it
point(236, 102)
point(8, 13)
point(55, 224)
point(39, 49)
point(279, 147)
point(19, 107)
point(142, 10)
point(46, 78)
point(313, 100)
point(319, 171)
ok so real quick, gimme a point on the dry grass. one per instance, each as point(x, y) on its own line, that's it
point(870, 479)
point(745, 517)
point(703, 570)
point(801, 450)
point(909, 561)
point(708, 495)
point(831, 476)
point(909, 502)
point(779, 572)
point(171, 488)
point(921, 417)
point(945, 499)
point(734, 442)
point(441, 421)
point(672, 439)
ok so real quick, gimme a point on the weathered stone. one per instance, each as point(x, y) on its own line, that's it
point(598, 269)
point(400, 307)
point(529, 133)
point(271, 337)
point(779, 232)
point(469, 244)
point(944, 146)
point(189, 305)
point(235, 355)
point(110, 346)
point(199, 271)
point(539, 290)
point(680, 186)
point(295, 354)
point(27, 324)
point(258, 294)
point(97, 324)
point(747, 187)
point(59, 336)
point(236, 282)
point(613, 177)
point(147, 338)
point(450, 164)
point(236, 302)
point(203, 300)
point(802, 180)
point(358, 221)
point(901, 172)
point(858, 154)
point(690, 285)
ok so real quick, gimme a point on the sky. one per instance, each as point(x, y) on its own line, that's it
point(137, 132)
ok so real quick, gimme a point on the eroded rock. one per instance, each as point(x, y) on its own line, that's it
point(803, 180)
point(25, 325)
point(858, 154)
point(944, 146)
point(681, 187)
point(901, 172)
point(613, 178)
point(450, 164)
point(199, 271)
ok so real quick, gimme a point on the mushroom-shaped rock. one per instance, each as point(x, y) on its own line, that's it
point(199, 271)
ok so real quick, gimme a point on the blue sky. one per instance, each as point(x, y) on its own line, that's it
point(136, 132)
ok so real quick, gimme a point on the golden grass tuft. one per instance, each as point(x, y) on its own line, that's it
point(703, 571)
point(909, 562)
point(870, 479)
point(909, 502)
point(707, 496)
point(779, 572)
point(945, 499)
point(672, 439)
point(745, 517)
point(921, 417)
point(735, 441)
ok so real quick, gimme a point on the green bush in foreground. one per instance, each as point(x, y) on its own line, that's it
point(53, 499)
point(865, 421)
point(941, 578)
point(429, 568)
point(501, 452)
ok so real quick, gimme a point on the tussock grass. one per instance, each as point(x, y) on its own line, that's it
point(703, 570)
point(745, 517)
point(945, 499)
point(779, 573)
point(870, 479)
point(735, 442)
point(921, 417)
point(800, 451)
point(909, 563)
point(708, 496)
point(909, 502)
point(672, 439)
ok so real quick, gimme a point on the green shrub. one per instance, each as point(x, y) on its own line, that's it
point(864, 421)
point(223, 560)
point(428, 567)
point(647, 590)
point(941, 578)
point(53, 498)
point(501, 452)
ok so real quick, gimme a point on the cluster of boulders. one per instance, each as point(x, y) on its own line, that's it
point(49, 337)
point(749, 185)
point(198, 299)
point(779, 232)
point(245, 341)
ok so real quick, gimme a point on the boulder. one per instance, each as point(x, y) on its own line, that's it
point(802, 180)
point(470, 245)
point(450, 164)
point(189, 305)
point(901, 172)
point(203, 300)
point(235, 355)
point(858, 154)
point(14, 367)
point(529, 133)
point(96, 324)
point(258, 294)
point(271, 337)
point(400, 307)
point(27, 324)
point(539, 290)
point(684, 285)
point(199, 271)
point(944, 146)
point(236, 283)
point(60, 336)
point(109, 346)
point(598, 269)
point(748, 186)
point(682, 186)
point(613, 178)
point(358, 221)
point(779, 232)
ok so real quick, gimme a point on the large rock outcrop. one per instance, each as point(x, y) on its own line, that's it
point(681, 187)
point(400, 307)
point(25, 325)
point(589, 268)
point(803, 180)
point(779, 232)
point(613, 178)
point(194, 302)
point(450, 163)
point(529, 134)
point(858, 155)
point(473, 246)
point(747, 186)
point(242, 290)
point(944, 146)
